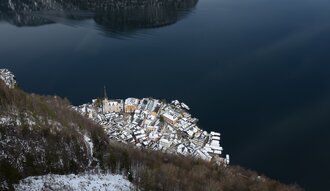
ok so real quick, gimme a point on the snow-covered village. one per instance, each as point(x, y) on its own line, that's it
point(154, 124)
point(149, 123)
point(46, 143)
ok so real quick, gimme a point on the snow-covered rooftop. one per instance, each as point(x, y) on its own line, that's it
point(132, 101)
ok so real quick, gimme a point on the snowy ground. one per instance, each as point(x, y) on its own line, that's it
point(84, 182)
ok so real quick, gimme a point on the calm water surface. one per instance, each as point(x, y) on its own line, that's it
point(258, 71)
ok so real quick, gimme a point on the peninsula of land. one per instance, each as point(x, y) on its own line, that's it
point(154, 124)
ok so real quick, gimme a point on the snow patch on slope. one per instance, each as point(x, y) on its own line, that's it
point(90, 147)
point(102, 182)
point(7, 77)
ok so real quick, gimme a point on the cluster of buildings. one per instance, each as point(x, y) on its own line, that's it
point(8, 78)
point(154, 124)
point(149, 123)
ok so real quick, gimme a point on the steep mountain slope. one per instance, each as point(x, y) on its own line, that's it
point(40, 135)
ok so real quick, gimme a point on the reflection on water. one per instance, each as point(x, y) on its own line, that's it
point(114, 17)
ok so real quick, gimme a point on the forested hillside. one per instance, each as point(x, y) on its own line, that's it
point(42, 134)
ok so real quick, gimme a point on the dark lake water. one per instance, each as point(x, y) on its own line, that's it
point(258, 71)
